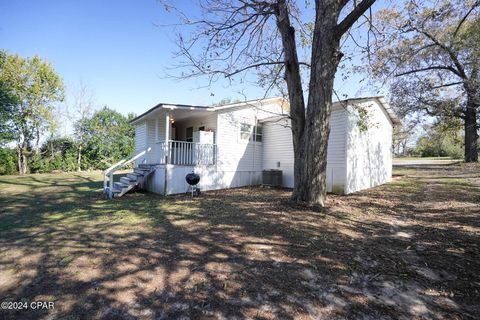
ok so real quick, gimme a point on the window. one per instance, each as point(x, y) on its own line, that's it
point(245, 131)
point(202, 128)
point(252, 133)
point(258, 132)
point(189, 134)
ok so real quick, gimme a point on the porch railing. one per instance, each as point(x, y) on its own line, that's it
point(187, 153)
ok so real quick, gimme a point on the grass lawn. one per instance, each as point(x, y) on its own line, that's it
point(406, 250)
point(424, 158)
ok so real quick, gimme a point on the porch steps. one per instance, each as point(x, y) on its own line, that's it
point(132, 180)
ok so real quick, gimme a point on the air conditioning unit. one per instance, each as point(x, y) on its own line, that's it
point(272, 178)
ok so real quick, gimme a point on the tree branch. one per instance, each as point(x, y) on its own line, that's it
point(260, 65)
point(475, 5)
point(449, 68)
point(353, 16)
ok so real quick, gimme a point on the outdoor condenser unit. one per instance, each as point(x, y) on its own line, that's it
point(272, 178)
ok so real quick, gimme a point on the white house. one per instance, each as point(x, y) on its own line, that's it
point(230, 145)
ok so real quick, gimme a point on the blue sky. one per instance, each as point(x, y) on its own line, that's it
point(113, 47)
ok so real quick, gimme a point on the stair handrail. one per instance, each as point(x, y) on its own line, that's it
point(108, 183)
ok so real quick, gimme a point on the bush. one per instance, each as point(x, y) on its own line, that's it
point(8, 161)
point(55, 154)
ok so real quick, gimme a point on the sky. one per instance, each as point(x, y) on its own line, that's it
point(117, 49)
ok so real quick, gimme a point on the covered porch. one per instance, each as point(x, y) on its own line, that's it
point(179, 135)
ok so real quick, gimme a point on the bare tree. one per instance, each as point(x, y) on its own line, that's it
point(78, 112)
point(279, 42)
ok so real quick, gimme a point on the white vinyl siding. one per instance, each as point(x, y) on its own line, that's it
point(140, 139)
point(355, 160)
point(234, 153)
point(369, 154)
point(151, 140)
point(278, 149)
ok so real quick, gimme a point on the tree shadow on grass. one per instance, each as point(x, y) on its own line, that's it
point(230, 254)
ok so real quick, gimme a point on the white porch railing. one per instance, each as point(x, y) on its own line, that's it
point(187, 153)
point(108, 174)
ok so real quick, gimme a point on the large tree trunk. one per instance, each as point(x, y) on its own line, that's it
point(325, 59)
point(295, 94)
point(311, 130)
point(471, 129)
point(22, 160)
point(311, 125)
point(79, 158)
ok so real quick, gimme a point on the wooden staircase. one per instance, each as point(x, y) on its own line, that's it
point(133, 180)
point(137, 178)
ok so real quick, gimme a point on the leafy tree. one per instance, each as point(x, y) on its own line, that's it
point(402, 135)
point(7, 101)
point(233, 37)
point(30, 88)
point(8, 158)
point(442, 139)
point(56, 154)
point(429, 51)
point(108, 137)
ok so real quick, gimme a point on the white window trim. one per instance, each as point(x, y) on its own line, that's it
point(240, 139)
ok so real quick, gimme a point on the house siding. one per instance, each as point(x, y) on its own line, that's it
point(140, 140)
point(278, 150)
point(369, 154)
point(235, 154)
point(355, 160)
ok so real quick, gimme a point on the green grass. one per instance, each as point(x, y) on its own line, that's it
point(40, 200)
point(423, 158)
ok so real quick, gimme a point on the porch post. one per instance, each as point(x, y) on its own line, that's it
point(167, 148)
point(167, 135)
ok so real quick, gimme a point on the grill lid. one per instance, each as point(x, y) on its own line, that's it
point(192, 178)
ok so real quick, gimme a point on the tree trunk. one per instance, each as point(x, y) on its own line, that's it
point(311, 124)
point(79, 158)
point(325, 59)
point(22, 160)
point(310, 131)
point(295, 94)
point(471, 129)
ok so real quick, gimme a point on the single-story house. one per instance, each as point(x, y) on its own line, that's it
point(230, 145)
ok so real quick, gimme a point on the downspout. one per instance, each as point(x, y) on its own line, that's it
point(254, 146)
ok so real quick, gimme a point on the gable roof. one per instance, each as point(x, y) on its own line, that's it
point(382, 102)
point(242, 104)
point(337, 104)
point(381, 99)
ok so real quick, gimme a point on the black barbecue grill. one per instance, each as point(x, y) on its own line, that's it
point(193, 179)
